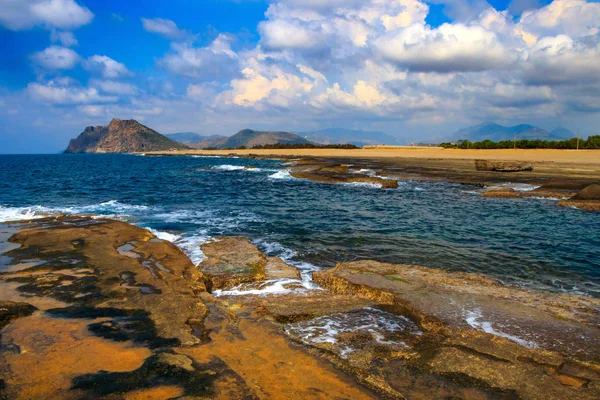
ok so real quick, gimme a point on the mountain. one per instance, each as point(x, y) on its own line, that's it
point(343, 136)
point(563, 133)
point(121, 136)
point(497, 133)
point(196, 140)
point(250, 138)
point(185, 137)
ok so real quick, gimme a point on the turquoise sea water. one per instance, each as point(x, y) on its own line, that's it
point(188, 200)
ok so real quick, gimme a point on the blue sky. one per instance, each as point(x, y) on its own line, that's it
point(413, 69)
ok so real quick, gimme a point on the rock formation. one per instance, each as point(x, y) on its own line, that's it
point(502, 166)
point(587, 199)
point(121, 136)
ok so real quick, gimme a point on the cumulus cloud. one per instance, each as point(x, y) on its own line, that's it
point(164, 27)
point(106, 66)
point(449, 48)
point(66, 92)
point(215, 60)
point(115, 87)
point(25, 14)
point(56, 58)
point(67, 39)
point(562, 60)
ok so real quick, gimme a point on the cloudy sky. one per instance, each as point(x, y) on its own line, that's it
point(415, 69)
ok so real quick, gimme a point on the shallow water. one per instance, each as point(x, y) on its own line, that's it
point(188, 200)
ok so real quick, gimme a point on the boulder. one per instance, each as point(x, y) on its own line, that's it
point(276, 268)
point(232, 260)
point(507, 193)
point(588, 199)
point(502, 166)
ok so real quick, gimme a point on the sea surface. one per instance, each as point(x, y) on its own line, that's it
point(189, 200)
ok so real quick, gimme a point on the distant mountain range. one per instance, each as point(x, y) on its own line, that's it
point(247, 138)
point(196, 140)
point(344, 136)
point(497, 133)
point(250, 138)
point(121, 136)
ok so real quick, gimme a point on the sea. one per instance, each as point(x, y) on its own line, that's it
point(190, 200)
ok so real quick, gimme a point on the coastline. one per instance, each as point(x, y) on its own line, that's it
point(122, 312)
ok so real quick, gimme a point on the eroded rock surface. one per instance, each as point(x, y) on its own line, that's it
point(122, 314)
point(478, 335)
point(326, 172)
point(234, 260)
point(502, 166)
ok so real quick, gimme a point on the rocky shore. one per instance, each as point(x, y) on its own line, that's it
point(98, 308)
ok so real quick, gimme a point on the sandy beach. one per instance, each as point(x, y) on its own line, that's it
point(591, 157)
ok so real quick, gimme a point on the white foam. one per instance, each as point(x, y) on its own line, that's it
point(306, 269)
point(375, 322)
point(24, 213)
point(190, 245)
point(271, 286)
point(363, 184)
point(519, 187)
point(473, 318)
point(228, 167)
point(169, 237)
point(283, 175)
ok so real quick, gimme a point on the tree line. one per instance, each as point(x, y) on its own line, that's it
point(592, 142)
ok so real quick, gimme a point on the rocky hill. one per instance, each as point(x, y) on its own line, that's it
point(250, 138)
point(497, 133)
point(121, 136)
point(355, 137)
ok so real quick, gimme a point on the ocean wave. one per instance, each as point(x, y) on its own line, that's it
point(519, 187)
point(169, 237)
point(190, 245)
point(282, 175)
point(108, 209)
point(228, 167)
point(24, 213)
point(363, 184)
point(275, 249)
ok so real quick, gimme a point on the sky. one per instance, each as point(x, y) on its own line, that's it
point(414, 69)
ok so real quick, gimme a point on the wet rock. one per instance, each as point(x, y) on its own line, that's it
point(155, 309)
point(502, 166)
point(276, 268)
point(327, 177)
point(522, 352)
point(292, 308)
point(231, 261)
point(588, 199)
point(10, 310)
point(508, 193)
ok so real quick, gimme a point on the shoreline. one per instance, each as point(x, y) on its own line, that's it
point(390, 330)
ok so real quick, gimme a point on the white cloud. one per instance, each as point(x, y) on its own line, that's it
point(281, 34)
point(67, 39)
point(56, 58)
point(568, 17)
point(106, 66)
point(215, 60)
point(164, 27)
point(64, 92)
point(451, 47)
point(115, 87)
point(562, 60)
point(25, 14)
